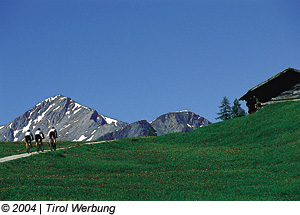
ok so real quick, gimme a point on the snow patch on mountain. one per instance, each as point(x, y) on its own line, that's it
point(41, 117)
point(109, 120)
point(182, 111)
point(27, 127)
point(81, 138)
point(56, 108)
point(91, 138)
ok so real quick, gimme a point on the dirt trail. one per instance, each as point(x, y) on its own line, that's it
point(14, 157)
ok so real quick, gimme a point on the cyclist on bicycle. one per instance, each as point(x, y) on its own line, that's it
point(28, 138)
point(52, 135)
point(39, 136)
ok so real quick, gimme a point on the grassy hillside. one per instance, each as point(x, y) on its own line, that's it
point(251, 158)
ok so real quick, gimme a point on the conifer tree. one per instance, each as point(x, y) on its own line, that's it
point(225, 109)
point(237, 110)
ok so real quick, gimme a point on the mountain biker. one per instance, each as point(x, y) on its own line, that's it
point(52, 134)
point(28, 138)
point(39, 136)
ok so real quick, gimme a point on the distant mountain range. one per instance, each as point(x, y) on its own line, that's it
point(76, 122)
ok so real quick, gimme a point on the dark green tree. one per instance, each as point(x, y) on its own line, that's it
point(225, 110)
point(237, 110)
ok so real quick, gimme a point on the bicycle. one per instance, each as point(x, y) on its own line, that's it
point(39, 145)
point(52, 144)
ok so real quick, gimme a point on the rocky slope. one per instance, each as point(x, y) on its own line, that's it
point(71, 120)
point(136, 129)
point(76, 122)
point(182, 121)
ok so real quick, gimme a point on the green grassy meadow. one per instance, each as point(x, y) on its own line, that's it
point(253, 158)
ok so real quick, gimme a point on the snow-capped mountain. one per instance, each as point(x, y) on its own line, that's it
point(181, 121)
point(76, 122)
point(71, 120)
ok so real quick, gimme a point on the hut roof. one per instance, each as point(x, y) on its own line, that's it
point(274, 85)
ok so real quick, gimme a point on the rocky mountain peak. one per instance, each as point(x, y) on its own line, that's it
point(72, 121)
point(180, 121)
point(76, 122)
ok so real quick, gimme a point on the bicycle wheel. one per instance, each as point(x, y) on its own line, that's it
point(39, 146)
point(42, 147)
point(27, 148)
point(51, 144)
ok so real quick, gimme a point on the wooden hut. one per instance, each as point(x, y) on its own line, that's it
point(283, 86)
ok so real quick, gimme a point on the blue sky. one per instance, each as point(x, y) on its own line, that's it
point(139, 59)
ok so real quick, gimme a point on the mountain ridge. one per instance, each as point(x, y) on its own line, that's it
point(62, 113)
point(77, 122)
point(179, 121)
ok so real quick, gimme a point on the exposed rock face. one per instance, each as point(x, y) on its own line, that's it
point(76, 122)
point(71, 120)
point(136, 129)
point(182, 121)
